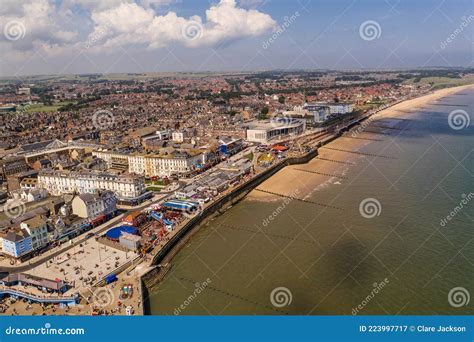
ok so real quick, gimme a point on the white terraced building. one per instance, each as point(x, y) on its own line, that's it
point(60, 182)
point(176, 162)
point(337, 107)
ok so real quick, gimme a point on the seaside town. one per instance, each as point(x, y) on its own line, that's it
point(100, 175)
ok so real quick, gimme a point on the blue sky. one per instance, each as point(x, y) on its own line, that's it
point(86, 36)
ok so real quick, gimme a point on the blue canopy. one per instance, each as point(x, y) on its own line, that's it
point(114, 233)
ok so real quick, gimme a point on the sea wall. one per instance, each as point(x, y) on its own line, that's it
point(163, 258)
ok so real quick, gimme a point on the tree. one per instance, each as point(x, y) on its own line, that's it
point(281, 99)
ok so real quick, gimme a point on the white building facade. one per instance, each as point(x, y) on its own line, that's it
point(275, 129)
point(60, 182)
point(156, 165)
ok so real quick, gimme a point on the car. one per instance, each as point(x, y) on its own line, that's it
point(89, 235)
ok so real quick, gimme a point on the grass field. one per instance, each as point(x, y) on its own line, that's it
point(442, 82)
point(40, 107)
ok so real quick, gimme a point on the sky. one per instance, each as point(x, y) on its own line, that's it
point(42, 37)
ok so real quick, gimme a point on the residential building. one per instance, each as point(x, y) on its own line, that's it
point(88, 205)
point(178, 136)
point(230, 146)
point(338, 108)
point(165, 163)
point(312, 114)
point(16, 243)
point(38, 230)
point(70, 225)
point(93, 205)
point(124, 186)
point(33, 195)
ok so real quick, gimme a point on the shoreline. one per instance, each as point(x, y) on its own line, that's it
point(324, 165)
point(274, 180)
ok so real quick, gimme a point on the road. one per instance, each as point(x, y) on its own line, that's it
point(36, 261)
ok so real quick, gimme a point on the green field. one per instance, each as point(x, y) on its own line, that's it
point(40, 107)
point(442, 82)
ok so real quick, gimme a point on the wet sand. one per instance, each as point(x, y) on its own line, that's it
point(334, 164)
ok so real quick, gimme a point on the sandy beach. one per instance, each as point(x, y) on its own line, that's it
point(330, 166)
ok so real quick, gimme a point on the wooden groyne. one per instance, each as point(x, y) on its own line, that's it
point(389, 127)
point(360, 153)
point(449, 105)
point(359, 138)
point(321, 173)
point(336, 161)
point(172, 247)
point(299, 199)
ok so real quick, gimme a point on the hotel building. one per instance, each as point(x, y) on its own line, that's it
point(125, 187)
point(149, 165)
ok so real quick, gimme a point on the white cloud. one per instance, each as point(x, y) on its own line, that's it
point(133, 24)
point(103, 26)
point(39, 22)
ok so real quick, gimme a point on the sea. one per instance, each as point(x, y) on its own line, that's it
point(399, 240)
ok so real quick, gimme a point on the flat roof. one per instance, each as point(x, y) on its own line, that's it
point(275, 124)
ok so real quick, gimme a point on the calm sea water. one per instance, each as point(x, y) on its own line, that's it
point(312, 260)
